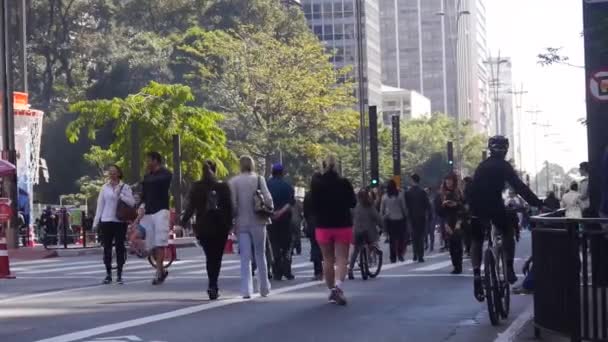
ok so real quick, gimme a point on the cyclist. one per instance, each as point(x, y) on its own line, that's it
point(365, 230)
point(488, 207)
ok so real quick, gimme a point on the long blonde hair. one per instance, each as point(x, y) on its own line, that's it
point(247, 164)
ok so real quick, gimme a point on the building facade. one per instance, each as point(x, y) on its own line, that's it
point(335, 23)
point(406, 104)
point(438, 50)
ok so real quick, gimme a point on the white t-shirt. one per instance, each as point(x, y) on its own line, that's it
point(108, 201)
point(573, 204)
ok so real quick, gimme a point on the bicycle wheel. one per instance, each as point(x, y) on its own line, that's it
point(503, 283)
point(363, 264)
point(169, 258)
point(489, 281)
point(374, 262)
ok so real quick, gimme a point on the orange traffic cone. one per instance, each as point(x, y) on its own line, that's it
point(5, 271)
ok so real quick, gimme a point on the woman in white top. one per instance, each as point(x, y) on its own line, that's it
point(112, 230)
point(572, 202)
point(250, 227)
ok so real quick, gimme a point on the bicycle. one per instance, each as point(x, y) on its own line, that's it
point(170, 256)
point(497, 290)
point(370, 261)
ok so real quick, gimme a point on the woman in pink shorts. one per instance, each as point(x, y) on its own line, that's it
point(333, 198)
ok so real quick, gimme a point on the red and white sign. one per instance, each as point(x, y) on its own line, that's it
point(598, 85)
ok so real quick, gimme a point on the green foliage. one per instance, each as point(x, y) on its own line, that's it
point(160, 111)
point(276, 95)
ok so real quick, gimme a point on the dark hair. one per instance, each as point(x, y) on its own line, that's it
point(364, 198)
point(155, 156)
point(453, 178)
point(574, 186)
point(209, 169)
point(120, 173)
point(584, 166)
point(415, 178)
point(391, 189)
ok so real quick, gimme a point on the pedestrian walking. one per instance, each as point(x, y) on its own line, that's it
point(310, 225)
point(280, 231)
point(210, 200)
point(365, 230)
point(452, 204)
point(112, 229)
point(572, 202)
point(419, 208)
point(551, 202)
point(333, 199)
point(155, 211)
point(253, 207)
point(431, 223)
point(394, 212)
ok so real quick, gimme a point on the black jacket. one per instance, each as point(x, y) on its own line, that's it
point(489, 181)
point(209, 222)
point(417, 202)
point(333, 198)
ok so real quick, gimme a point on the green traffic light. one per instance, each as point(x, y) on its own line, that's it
point(374, 181)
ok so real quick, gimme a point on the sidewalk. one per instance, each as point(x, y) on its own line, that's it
point(39, 252)
point(527, 335)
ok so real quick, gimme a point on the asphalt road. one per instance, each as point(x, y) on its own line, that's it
point(61, 300)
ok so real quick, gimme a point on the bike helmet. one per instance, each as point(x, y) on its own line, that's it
point(498, 145)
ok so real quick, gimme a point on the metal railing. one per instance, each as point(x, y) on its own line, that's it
point(570, 262)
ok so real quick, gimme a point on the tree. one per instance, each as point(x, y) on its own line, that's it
point(276, 95)
point(160, 111)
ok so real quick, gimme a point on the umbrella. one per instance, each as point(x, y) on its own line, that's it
point(6, 168)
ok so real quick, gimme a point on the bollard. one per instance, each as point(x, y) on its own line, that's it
point(5, 271)
point(30, 236)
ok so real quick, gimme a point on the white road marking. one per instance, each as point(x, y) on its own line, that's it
point(236, 267)
point(129, 267)
point(35, 262)
point(105, 329)
point(433, 267)
point(515, 328)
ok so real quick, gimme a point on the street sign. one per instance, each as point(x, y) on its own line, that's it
point(598, 85)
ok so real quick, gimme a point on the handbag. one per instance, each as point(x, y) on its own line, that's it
point(259, 203)
point(125, 212)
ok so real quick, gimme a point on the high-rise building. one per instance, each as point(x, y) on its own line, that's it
point(438, 50)
point(335, 22)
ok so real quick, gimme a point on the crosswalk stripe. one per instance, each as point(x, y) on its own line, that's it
point(433, 267)
point(133, 266)
point(200, 265)
point(34, 262)
point(236, 267)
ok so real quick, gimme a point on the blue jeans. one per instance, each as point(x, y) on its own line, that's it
point(256, 237)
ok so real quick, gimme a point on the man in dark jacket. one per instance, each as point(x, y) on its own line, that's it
point(419, 207)
point(211, 201)
point(311, 225)
point(283, 197)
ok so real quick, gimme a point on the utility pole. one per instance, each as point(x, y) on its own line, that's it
point(518, 106)
point(535, 123)
point(495, 84)
point(362, 90)
point(8, 122)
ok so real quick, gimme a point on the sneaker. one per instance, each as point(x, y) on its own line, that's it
point(456, 271)
point(420, 260)
point(214, 294)
point(317, 277)
point(339, 296)
point(478, 288)
point(107, 280)
point(119, 281)
point(351, 275)
point(401, 259)
point(160, 278)
point(290, 277)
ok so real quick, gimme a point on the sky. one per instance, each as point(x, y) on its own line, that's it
point(521, 29)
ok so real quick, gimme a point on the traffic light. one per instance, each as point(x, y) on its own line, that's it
point(373, 145)
point(450, 154)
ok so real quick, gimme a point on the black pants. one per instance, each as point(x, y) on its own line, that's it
point(280, 240)
point(467, 234)
point(397, 238)
point(480, 225)
point(418, 236)
point(213, 246)
point(456, 249)
point(430, 235)
point(113, 234)
point(316, 257)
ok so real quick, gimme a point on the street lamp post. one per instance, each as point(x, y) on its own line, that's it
point(455, 47)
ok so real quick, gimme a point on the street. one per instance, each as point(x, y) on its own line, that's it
point(61, 300)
